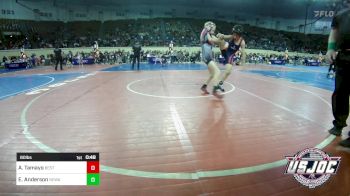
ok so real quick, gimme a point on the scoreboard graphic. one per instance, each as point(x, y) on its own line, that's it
point(58, 169)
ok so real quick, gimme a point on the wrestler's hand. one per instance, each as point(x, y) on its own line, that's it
point(220, 36)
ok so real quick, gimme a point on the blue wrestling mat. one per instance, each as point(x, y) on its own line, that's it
point(316, 79)
point(323, 69)
point(14, 85)
point(12, 70)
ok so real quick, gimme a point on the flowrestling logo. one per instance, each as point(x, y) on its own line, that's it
point(324, 13)
point(312, 167)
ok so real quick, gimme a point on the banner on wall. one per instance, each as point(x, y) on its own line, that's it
point(11, 33)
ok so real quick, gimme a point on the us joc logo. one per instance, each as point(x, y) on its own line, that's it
point(312, 167)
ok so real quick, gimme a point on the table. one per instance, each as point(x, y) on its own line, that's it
point(85, 61)
point(278, 62)
point(16, 65)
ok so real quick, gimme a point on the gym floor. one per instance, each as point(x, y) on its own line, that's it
point(157, 134)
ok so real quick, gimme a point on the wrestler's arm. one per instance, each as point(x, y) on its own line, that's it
point(224, 37)
point(213, 39)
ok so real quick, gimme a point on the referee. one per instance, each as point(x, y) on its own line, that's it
point(58, 57)
point(339, 54)
point(137, 53)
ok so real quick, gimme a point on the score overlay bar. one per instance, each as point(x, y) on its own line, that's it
point(58, 169)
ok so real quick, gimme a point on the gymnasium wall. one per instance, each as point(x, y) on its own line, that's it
point(50, 10)
point(39, 52)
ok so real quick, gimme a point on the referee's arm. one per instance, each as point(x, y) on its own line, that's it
point(332, 42)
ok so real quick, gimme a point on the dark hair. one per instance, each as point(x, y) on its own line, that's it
point(238, 29)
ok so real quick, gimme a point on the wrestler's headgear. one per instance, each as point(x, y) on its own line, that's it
point(210, 26)
point(238, 29)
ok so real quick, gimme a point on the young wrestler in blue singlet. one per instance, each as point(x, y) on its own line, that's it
point(230, 49)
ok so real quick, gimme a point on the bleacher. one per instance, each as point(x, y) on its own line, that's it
point(154, 32)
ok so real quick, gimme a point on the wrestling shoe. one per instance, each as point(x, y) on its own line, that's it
point(221, 88)
point(335, 131)
point(216, 93)
point(345, 143)
point(204, 89)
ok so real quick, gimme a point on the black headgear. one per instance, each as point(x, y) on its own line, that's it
point(237, 29)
